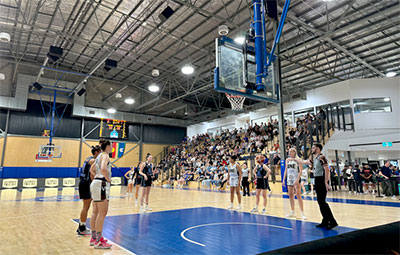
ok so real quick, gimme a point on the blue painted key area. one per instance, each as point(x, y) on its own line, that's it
point(209, 230)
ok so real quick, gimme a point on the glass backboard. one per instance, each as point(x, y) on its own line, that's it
point(235, 69)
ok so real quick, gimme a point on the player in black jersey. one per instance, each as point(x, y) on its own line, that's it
point(147, 172)
point(261, 171)
point(137, 182)
point(84, 190)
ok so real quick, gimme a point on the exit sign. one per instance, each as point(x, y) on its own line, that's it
point(387, 144)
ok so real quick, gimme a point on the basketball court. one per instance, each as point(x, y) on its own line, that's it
point(183, 98)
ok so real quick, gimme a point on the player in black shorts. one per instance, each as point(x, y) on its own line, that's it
point(84, 190)
point(137, 181)
point(146, 171)
point(261, 171)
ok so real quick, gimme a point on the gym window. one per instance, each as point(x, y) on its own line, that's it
point(367, 105)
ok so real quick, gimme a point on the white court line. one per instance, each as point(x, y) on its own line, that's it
point(226, 223)
point(122, 248)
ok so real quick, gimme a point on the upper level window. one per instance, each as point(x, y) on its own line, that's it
point(381, 104)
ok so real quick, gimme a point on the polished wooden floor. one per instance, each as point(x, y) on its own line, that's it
point(40, 222)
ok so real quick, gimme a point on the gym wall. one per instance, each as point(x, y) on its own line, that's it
point(24, 139)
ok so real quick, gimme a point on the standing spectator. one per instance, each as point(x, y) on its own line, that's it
point(344, 173)
point(388, 189)
point(334, 179)
point(357, 179)
point(350, 180)
point(367, 179)
point(245, 180)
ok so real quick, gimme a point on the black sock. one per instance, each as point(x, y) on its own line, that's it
point(98, 236)
point(94, 234)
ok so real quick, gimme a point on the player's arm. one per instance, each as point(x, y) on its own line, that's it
point(284, 174)
point(141, 171)
point(103, 168)
point(126, 174)
point(92, 170)
point(266, 168)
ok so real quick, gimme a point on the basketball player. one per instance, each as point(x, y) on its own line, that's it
point(319, 164)
point(100, 189)
point(95, 211)
point(146, 171)
point(138, 181)
point(293, 170)
point(84, 190)
point(129, 176)
point(234, 179)
point(261, 171)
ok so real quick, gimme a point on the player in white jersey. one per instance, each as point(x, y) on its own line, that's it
point(234, 179)
point(293, 170)
point(100, 190)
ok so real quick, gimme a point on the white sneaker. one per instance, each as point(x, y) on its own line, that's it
point(373, 192)
point(239, 208)
point(393, 197)
point(264, 211)
point(349, 192)
point(303, 216)
point(355, 192)
point(270, 193)
point(383, 195)
point(136, 202)
point(127, 195)
point(142, 209)
point(230, 207)
point(254, 210)
point(290, 214)
point(148, 208)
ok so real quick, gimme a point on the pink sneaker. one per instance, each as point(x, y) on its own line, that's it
point(102, 244)
point(92, 241)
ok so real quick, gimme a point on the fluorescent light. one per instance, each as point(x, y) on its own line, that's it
point(387, 99)
point(154, 88)
point(239, 40)
point(390, 74)
point(111, 110)
point(129, 100)
point(187, 69)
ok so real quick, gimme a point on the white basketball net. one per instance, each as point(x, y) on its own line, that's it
point(236, 101)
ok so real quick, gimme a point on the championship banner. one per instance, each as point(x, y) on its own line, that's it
point(29, 183)
point(114, 150)
point(121, 149)
point(51, 182)
point(10, 183)
point(69, 182)
point(113, 129)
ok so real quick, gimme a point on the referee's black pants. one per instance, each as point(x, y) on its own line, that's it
point(320, 189)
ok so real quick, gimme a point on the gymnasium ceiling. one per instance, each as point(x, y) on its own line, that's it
point(323, 42)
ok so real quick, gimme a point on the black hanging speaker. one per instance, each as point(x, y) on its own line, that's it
point(272, 9)
point(166, 14)
point(55, 53)
point(81, 92)
point(109, 64)
point(37, 86)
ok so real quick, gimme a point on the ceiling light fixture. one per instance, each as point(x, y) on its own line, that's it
point(390, 74)
point(111, 110)
point(187, 69)
point(387, 99)
point(5, 37)
point(129, 100)
point(240, 40)
point(154, 88)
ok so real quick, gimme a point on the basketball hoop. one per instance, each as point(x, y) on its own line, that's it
point(236, 101)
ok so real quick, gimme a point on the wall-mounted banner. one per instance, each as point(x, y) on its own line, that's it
point(51, 182)
point(116, 181)
point(29, 183)
point(10, 183)
point(114, 129)
point(69, 182)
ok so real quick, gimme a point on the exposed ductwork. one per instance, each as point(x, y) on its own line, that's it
point(20, 100)
point(80, 110)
